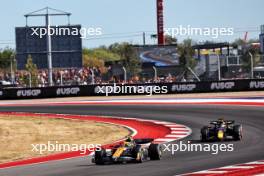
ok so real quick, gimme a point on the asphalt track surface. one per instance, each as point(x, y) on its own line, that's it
point(194, 116)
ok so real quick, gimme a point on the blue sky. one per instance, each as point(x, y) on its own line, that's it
point(130, 17)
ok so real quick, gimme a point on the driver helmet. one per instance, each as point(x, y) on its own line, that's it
point(221, 120)
point(129, 139)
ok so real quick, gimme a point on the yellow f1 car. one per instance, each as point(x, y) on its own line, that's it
point(138, 151)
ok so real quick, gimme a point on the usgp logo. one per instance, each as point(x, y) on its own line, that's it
point(68, 91)
point(28, 93)
point(256, 84)
point(183, 87)
point(222, 85)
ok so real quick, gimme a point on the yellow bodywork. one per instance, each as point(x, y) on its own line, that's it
point(118, 152)
point(220, 135)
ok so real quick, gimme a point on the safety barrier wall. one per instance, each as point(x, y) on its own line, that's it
point(132, 89)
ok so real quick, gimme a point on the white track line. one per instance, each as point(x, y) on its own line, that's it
point(210, 172)
point(175, 136)
point(179, 101)
point(237, 167)
point(229, 169)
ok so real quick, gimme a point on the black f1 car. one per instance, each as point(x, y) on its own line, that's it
point(138, 150)
point(221, 130)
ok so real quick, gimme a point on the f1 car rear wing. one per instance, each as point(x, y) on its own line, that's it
point(228, 122)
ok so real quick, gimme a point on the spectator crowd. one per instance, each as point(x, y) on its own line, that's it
point(78, 76)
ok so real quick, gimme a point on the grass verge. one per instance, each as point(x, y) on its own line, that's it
point(18, 133)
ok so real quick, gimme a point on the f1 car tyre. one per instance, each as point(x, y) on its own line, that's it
point(237, 132)
point(99, 156)
point(154, 152)
point(138, 154)
point(204, 134)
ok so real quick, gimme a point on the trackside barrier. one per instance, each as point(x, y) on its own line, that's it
point(132, 89)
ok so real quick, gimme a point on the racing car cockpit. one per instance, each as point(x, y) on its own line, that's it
point(129, 142)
